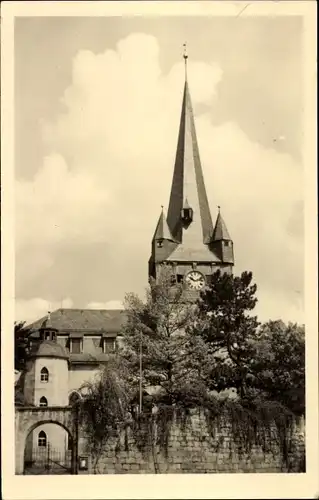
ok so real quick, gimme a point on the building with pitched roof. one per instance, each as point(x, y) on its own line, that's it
point(186, 238)
point(69, 346)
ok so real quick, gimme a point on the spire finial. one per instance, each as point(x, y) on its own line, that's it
point(185, 56)
point(218, 206)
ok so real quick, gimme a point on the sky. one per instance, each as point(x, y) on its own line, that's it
point(97, 109)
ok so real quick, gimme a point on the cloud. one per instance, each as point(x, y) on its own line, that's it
point(114, 148)
point(32, 309)
point(111, 304)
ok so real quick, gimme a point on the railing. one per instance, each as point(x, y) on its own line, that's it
point(48, 460)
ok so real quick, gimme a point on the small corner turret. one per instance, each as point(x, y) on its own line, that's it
point(221, 242)
point(163, 243)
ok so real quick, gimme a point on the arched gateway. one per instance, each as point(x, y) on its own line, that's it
point(29, 418)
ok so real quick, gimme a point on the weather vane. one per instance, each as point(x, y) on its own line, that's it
point(185, 55)
point(185, 51)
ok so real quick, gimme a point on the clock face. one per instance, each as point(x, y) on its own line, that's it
point(195, 280)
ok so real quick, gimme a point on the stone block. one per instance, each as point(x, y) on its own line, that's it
point(134, 466)
point(109, 471)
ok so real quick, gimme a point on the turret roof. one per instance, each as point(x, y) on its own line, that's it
point(50, 349)
point(162, 230)
point(220, 231)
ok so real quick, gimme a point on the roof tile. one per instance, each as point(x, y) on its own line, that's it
point(88, 320)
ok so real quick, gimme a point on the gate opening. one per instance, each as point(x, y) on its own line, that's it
point(48, 450)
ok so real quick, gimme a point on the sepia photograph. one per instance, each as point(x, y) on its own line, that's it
point(159, 311)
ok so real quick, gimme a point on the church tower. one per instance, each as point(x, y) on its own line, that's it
point(186, 239)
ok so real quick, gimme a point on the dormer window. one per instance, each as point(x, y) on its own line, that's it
point(48, 335)
point(76, 346)
point(109, 344)
point(76, 343)
point(187, 215)
point(159, 243)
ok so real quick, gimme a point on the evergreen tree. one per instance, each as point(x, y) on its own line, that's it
point(226, 325)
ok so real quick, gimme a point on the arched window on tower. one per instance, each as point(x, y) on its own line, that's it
point(44, 375)
point(42, 439)
point(43, 401)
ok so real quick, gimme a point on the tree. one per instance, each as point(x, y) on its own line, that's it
point(103, 407)
point(162, 327)
point(258, 360)
point(21, 334)
point(278, 365)
point(228, 328)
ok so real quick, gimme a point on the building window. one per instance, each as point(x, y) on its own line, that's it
point(159, 243)
point(43, 401)
point(173, 279)
point(44, 375)
point(42, 439)
point(108, 345)
point(179, 278)
point(209, 279)
point(74, 398)
point(76, 346)
point(187, 215)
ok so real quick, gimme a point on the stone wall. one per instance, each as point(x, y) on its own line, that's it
point(193, 447)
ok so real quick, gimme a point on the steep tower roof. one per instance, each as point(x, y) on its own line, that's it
point(162, 231)
point(220, 231)
point(188, 186)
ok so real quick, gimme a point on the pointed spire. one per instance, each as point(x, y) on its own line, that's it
point(186, 204)
point(188, 181)
point(220, 231)
point(162, 231)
